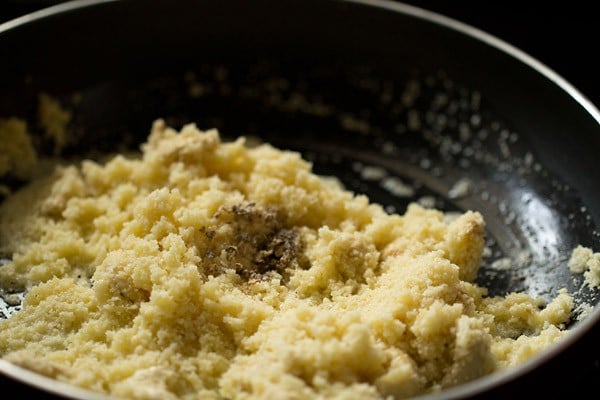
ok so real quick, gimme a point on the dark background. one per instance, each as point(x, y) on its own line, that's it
point(564, 37)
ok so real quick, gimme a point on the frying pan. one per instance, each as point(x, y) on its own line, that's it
point(425, 99)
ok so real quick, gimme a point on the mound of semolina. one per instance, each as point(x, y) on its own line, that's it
point(206, 269)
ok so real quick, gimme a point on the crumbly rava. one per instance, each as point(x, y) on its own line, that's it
point(211, 269)
point(584, 261)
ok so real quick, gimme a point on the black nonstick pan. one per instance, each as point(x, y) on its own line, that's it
point(462, 119)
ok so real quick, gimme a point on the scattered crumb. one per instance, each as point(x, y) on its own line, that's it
point(372, 173)
point(427, 201)
point(355, 124)
point(502, 264)
point(397, 187)
point(583, 310)
point(461, 188)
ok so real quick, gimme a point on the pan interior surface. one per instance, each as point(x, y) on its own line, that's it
point(394, 106)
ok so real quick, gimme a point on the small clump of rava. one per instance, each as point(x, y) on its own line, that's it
point(584, 261)
point(54, 119)
point(18, 157)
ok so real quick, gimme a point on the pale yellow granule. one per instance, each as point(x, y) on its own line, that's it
point(203, 269)
point(18, 157)
point(54, 120)
point(584, 261)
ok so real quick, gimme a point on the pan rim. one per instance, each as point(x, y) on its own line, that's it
point(465, 390)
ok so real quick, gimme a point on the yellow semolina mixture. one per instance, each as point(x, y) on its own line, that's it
point(204, 269)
